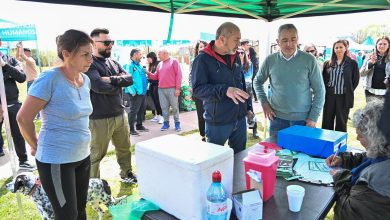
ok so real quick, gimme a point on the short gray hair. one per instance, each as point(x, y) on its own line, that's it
point(226, 29)
point(366, 121)
point(287, 27)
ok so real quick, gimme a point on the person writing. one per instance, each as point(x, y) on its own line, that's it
point(62, 148)
point(363, 185)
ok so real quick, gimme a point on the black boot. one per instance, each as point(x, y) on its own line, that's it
point(133, 131)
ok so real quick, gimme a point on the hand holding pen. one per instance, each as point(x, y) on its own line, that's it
point(334, 160)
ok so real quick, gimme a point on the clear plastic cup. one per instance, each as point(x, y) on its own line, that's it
point(295, 196)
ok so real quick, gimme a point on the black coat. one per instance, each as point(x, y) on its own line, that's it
point(13, 73)
point(351, 79)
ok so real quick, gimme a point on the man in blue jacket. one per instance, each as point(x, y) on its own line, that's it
point(136, 92)
point(218, 80)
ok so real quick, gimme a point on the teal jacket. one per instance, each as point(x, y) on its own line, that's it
point(140, 84)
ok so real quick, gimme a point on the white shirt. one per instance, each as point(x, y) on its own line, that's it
point(288, 59)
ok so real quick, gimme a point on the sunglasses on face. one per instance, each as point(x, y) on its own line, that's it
point(241, 53)
point(310, 51)
point(106, 42)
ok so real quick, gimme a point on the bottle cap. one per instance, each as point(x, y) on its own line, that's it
point(217, 176)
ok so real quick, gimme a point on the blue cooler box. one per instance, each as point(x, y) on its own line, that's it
point(313, 141)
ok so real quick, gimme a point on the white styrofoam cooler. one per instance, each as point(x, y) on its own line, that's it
point(175, 172)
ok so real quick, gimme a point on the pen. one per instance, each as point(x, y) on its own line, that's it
point(336, 154)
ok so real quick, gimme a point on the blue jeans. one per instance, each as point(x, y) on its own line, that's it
point(279, 124)
point(234, 132)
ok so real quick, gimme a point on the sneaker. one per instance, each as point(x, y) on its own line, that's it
point(2, 154)
point(155, 119)
point(177, 126)
point(165, 126)
point(26, 165)
point(131, 178)
point(141, 128)
point(133, 132)
point(204, 139)
point(161, 119)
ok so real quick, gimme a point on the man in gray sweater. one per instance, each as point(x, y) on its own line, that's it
point(297, 91)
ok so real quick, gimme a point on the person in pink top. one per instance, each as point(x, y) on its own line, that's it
point(169, 75)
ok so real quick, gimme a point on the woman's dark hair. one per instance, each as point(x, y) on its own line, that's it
point(71, 41)
point(245, 60)
point(197, 47)
point(153, 65)
point(387, 54)
point(333, 59)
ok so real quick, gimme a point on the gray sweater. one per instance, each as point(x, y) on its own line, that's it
point(298, 91)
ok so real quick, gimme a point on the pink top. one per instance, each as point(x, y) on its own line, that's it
point(168, 74)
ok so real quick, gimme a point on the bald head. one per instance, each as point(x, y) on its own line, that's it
point(163, 54)
point(226, 29)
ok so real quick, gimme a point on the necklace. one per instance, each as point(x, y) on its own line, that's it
point(74, 84)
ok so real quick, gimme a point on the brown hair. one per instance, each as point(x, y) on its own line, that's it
point(197, 47)
point(71, 41)
point(333, 59)
point(387, 54)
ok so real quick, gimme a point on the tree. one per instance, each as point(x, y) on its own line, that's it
point(373, 30)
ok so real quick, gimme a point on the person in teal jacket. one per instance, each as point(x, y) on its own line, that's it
point(136, 93)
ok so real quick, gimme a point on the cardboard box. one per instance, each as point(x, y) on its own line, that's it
point(312, 141)
point(248, 205)
point(174, 172)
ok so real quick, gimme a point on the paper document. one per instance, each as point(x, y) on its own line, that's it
point(312, 169)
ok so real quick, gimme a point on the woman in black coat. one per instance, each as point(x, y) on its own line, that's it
point(341, 77)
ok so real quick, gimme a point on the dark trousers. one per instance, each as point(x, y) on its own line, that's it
point(199, 112)
point(335, 108)
point(253, 92)
point(154, 93)
point(20, 145)
point(66, 185)
point(234, 132)
point(137, 109)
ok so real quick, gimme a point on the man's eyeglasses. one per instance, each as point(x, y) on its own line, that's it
point(106, 42)
point(241, 53)
point(310, 51)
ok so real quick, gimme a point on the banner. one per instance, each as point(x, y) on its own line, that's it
point(18, 33)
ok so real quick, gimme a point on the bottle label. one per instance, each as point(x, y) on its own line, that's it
point(217, 208)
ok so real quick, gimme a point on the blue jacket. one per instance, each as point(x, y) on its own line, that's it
point(211, 79)
point(140, 85)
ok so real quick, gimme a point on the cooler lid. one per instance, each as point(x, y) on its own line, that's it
point(316, 133)
point(185, 152)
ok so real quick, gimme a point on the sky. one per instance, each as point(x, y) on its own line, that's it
point(52, 20)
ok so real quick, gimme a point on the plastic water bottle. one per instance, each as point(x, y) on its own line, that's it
point(216, 199)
